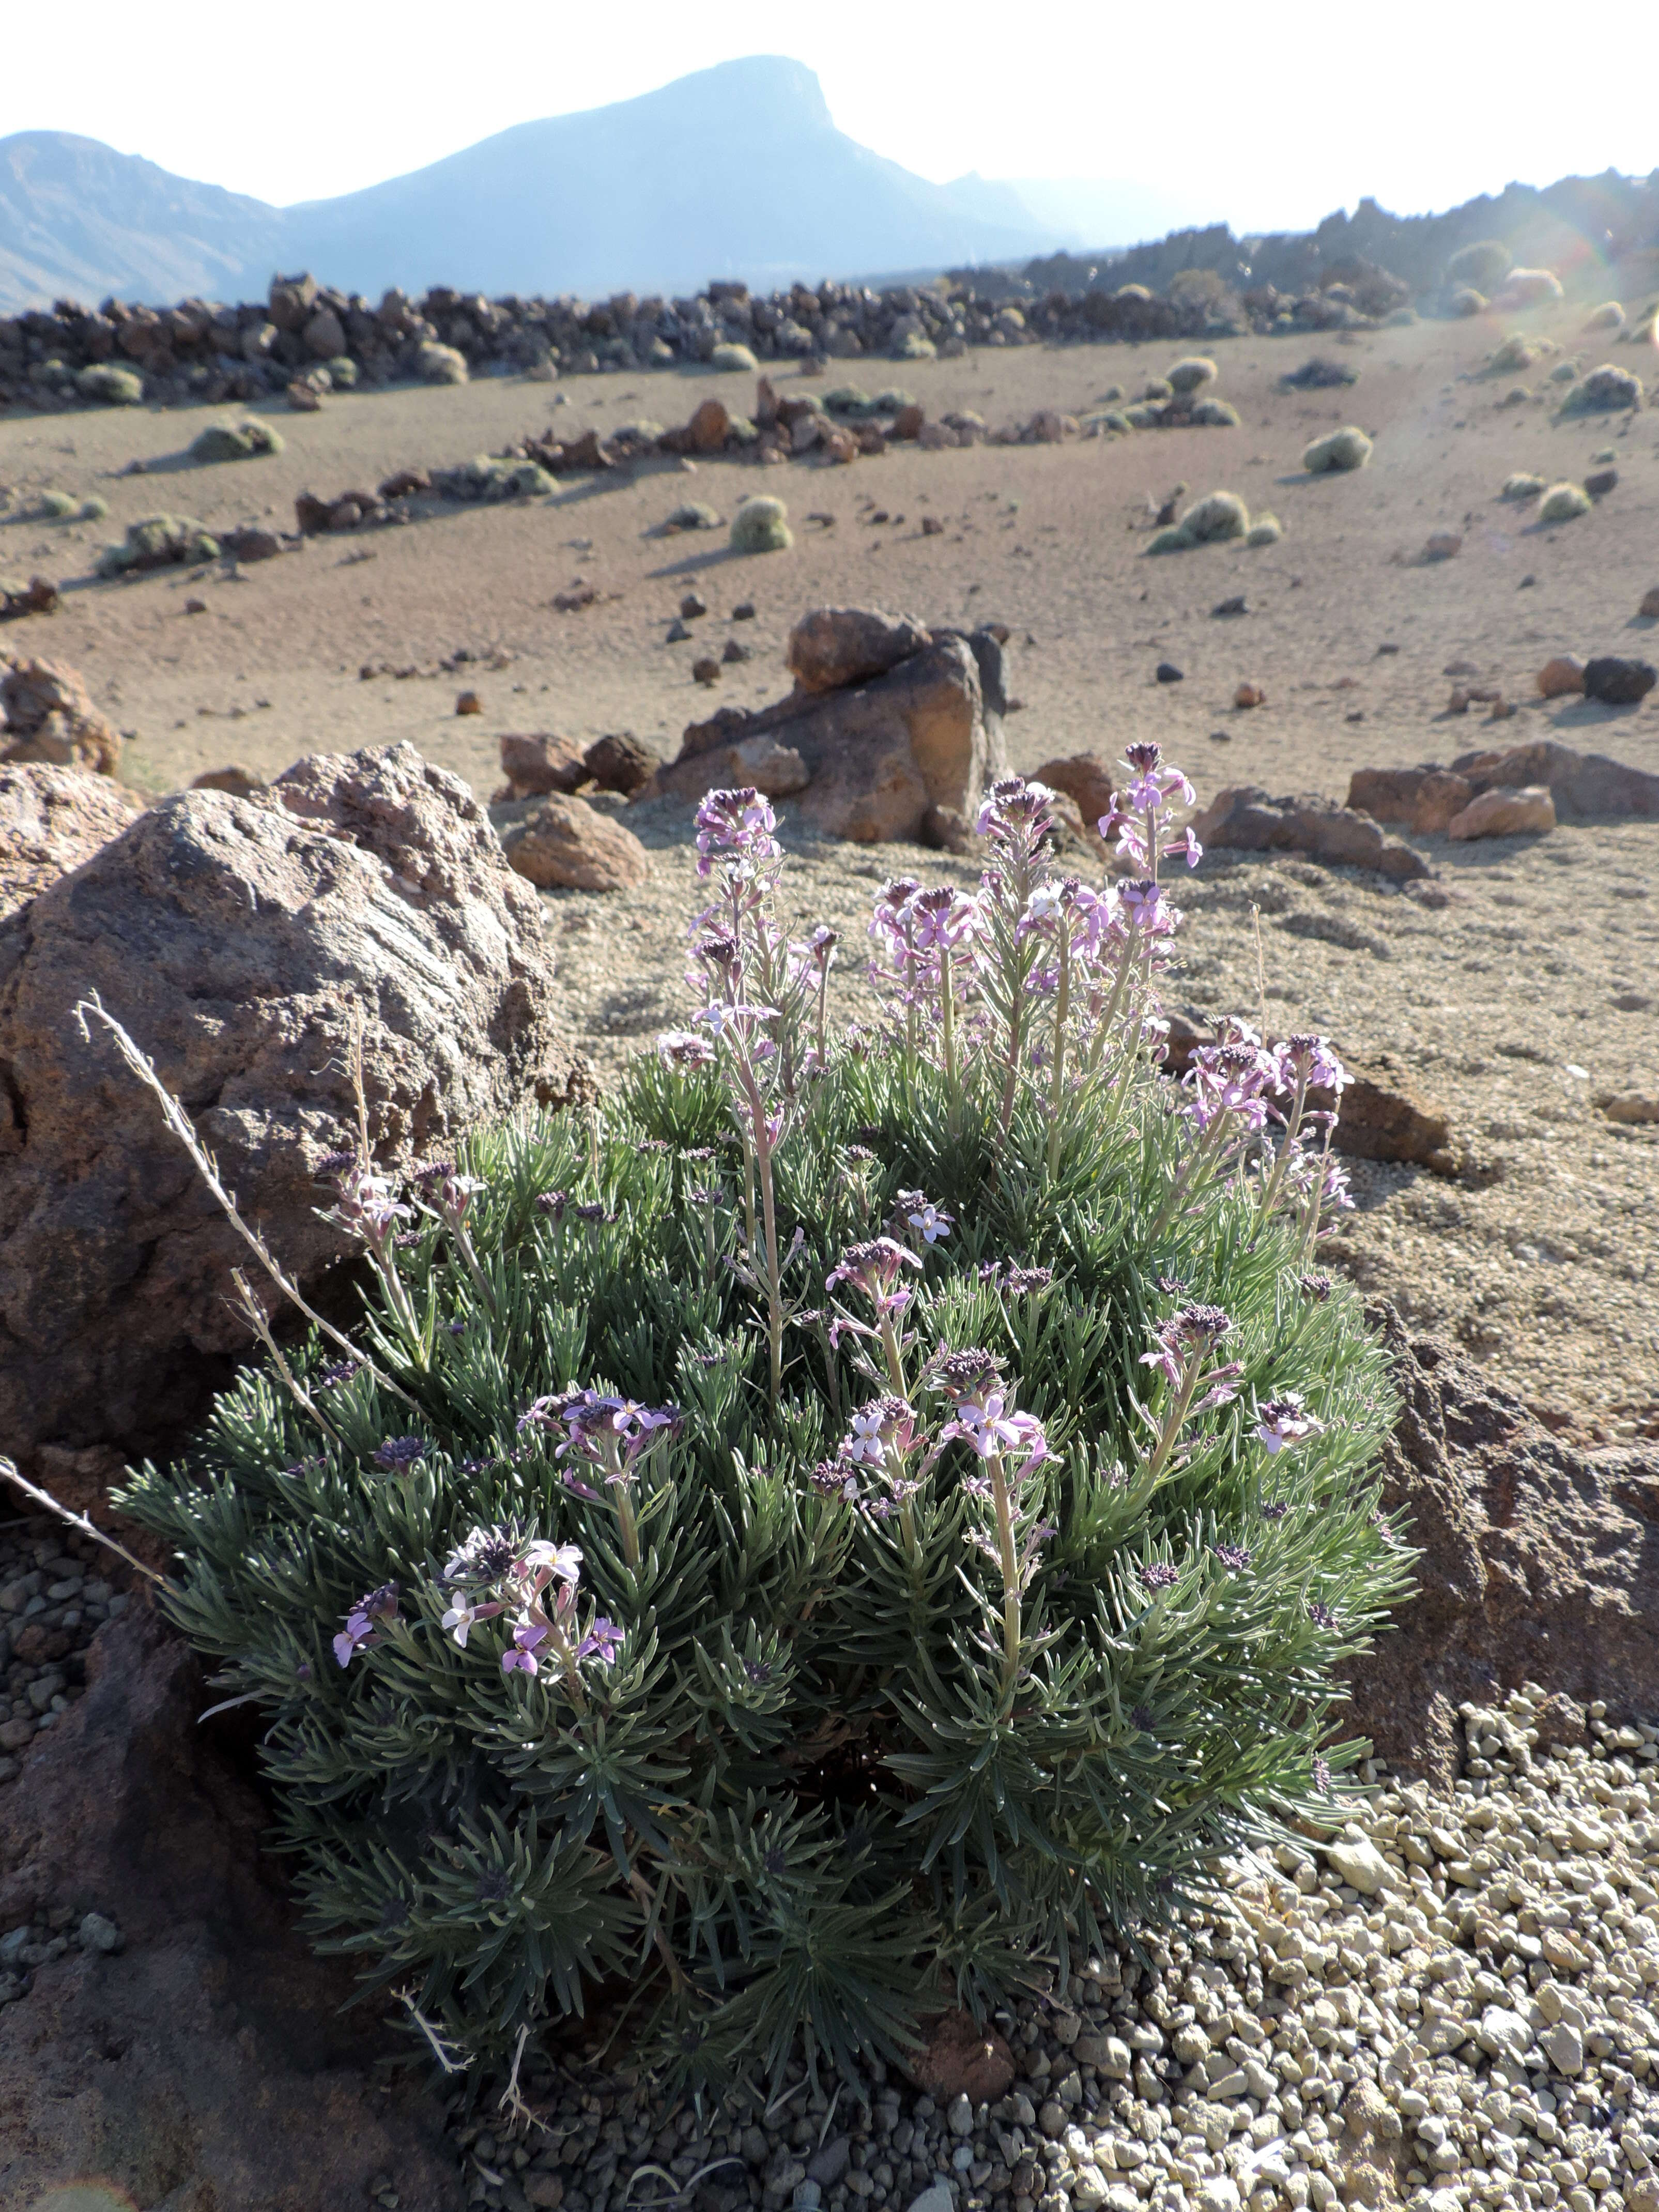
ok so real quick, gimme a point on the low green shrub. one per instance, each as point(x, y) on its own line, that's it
point(1482, 266)
point(342, 373)
point(1464, 300)
point(1188, 375)
point(490, 476)
point(849, 402)
point(1213, 414)
point(57, 507)
point(1344, 449)
point(1159, 387)
point(1112, 395)
point(1172, 538)
point(107, 384)
point(913, 347)
point(732, 357)
point(761, 526)
point(441, 364)
point(1604, 391)
point(1220, 516)
point(692, 514)
point(1609, 316)
point(1562, 502)
point(159, 541)
point(1143, 415)
point(1266, 530)
point(1518, 351)
point(1522, 486)
point(92, 510)
point(741, 430)
point(236, 441)
point(1565, 372)
point(892, 399)
point(842, 1523)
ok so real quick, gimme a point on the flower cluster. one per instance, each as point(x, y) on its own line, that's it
point(1141, 815)
point(499, 1572)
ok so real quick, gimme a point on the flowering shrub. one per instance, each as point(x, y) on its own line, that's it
point(861, 1512)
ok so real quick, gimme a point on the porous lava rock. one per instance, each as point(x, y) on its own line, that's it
point(208, 2059)
point(1537, 1561)
point(960, 2058)
point(567, 845)
point(1383, 1115)
point(619, 761)
point(1585, 787)
point(50, 820)
point(900, 752)
point(537, 764)
point(1083, 777)
point(1526, 810)
point(46, 714)
point(1243, 818)
point(237, 940)
point(1423, 800)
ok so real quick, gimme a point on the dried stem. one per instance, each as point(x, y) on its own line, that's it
point(9, 1473)
point(254, 1314)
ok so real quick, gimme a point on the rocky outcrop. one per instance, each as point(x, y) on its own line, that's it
point(1539, 1561)
point(903, 749)
point(50, 820)
point(46, 714)
point(1528, 810)
point(236, 939)
point(1585, 787)
point(1382, 1114)
point(1424, 799)
point(567, 845)
point(191, 2051)
point(1244, 818)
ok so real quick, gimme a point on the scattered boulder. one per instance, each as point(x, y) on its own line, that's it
point(39, 596)
point(706, 669)
point(46, 714)
point(251, 543)
point(1424, 799)
point(1630, 1107)
point(537, 764)
point(1250, 694)
point(191, 2047)
point(404, 484)
point(620, 763)
point(241, 782)
point(159, 541)
point(1618, 682)
point(1442, 545)
point(233, 938)
point(1533, 1568)
point(468, 703)
point(885, 755)
point(1244, 818)
point(1586, 787)
point(775, 769)
point(1600, 482)
point(51, 819)
point(1524, 810)
point(1320, 376)
point(567, 845)
point(833, 647)
point(1561, 677)
point(1083, 777)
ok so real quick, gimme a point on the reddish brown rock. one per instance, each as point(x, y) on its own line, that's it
point(1245, 819)
point(232, 936)
point(962, 2058)
point(46, 714)
point(210, 2059)
point(567, 845)
point(1526, 810)
point(403, 484)
point(1585, 787)
point(50, 820)
point(541, 762)
point(907, 422)
point(709, 427)
point(1534, 1566)
point(834, 646)
point(1561, 677)
point(1383, 1115)
point(775, 770)
point(1083, 777)
point(241, 781)
point(620, 763)
point(37, 597)
point(1423, 800)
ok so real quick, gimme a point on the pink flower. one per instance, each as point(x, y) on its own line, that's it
point(1286, 1421)
point(520, 1656)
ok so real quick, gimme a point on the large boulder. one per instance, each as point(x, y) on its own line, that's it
point(903, 753)
point(834, 646)
point(1535, 1564)
point(1585, 787)
point(50, 820)
point(46, 714)
point(1244, 818)
point(1424, 799)
point(236, 939)
point(565, 844)
point(206, 2057)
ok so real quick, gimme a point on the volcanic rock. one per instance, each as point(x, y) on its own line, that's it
point(241, 782)
point(50, 820)
point(1560, 677)
point(775, 769)
point(1526, 810)
point(1617, 681)
point(46, 714)
point(236, 939)
point(1534, 1567)
point(834, 646)
point(962, 2059)
point(567, 845)
point(1083, 777)
point(1244, 818)
point(620, 763)
point(1586, 787)
point(191, 2050)
point(535, 765)
point(1423, 800)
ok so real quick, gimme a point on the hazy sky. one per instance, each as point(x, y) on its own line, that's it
point(1268, 117)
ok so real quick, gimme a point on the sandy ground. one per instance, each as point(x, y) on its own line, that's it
point(1534, 991)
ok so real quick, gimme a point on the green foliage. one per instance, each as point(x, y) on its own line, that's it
point(872, 1714)
point(1482, 266)
point(342, 373)
point(1213, 414)
point(692, 514)
point(92, 510)
point(732, 357)
point(1518, 351)
point(159, 541)
point(1565, 372)
point(107, 384)
point(761, 526)
point(1266, 530)
point(849, 402)
point(236, 441)
point(441, 364)
point(913, 347)
point(1344, 449)
point(58, 507)
point(1143, 415)
point(1563, 502)
point(1464, 300)
point(1171, 540)
point(1522, 486)
point(1222, 514)
point(891, 399)
point(1188, 375)
point(1604, 391)
point(1609, 316)
point(490, 476)
point(1159, 387)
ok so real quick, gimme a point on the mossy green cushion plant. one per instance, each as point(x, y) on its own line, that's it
point(1266, 530)
point(247, 440)
point(1522, 486)
point(441, 364)
point(1339, 452)
point(1564, 502)
point(159, 541)
point(1482, 265)
point(58, 507)
point(1188, 375)
point(761, 526)
point(732, 357)
point(845, 1523)
point(107, 384)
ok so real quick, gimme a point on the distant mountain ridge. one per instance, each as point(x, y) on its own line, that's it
point(737, 171)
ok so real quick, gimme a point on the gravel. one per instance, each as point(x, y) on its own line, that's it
point(1443, 2002)
point(55, 1595)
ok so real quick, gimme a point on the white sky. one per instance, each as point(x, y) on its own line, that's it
point(1267, 117)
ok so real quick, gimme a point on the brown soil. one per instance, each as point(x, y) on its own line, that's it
point(1543, 1257)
